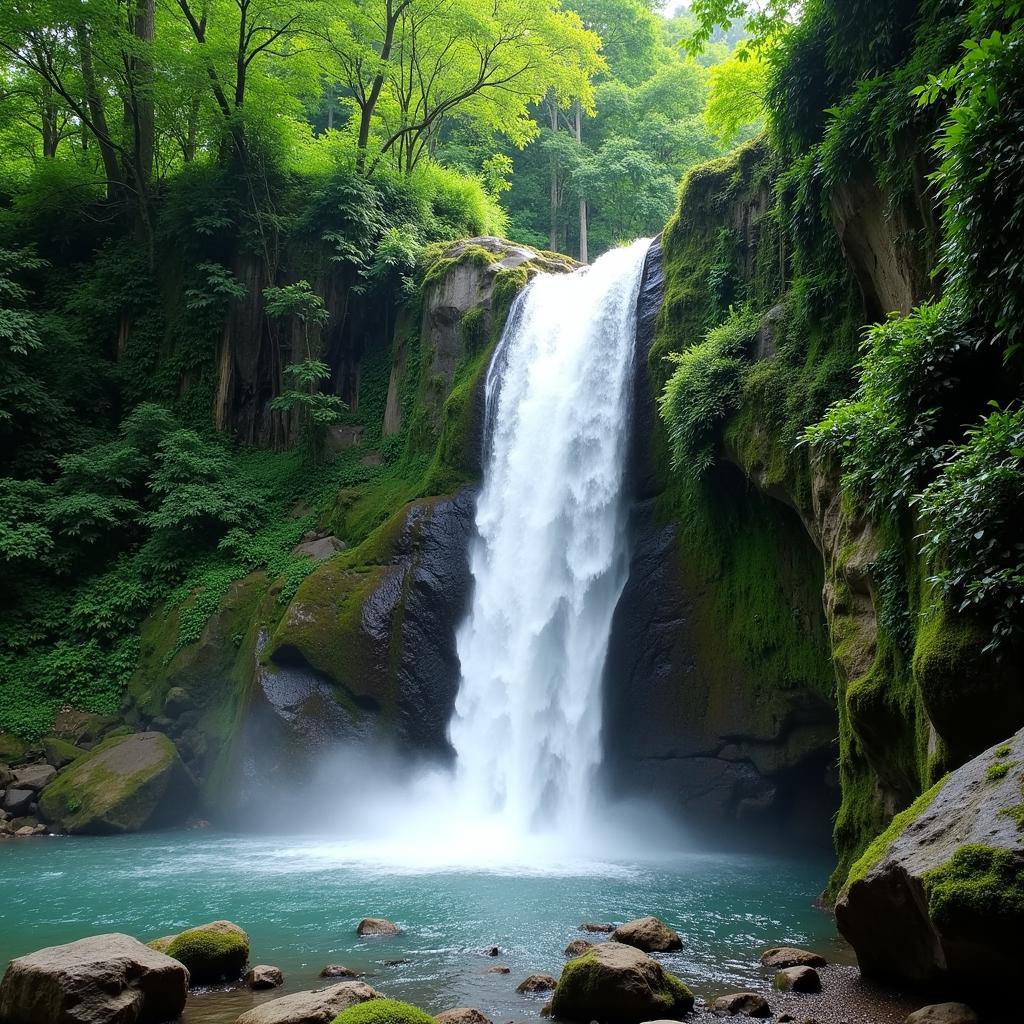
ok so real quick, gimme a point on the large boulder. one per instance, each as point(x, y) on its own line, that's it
point(938, 899)
point(319, 1006)
point(462, 1015)
point(212, 952)
point(105, 979)
point(741, 1004)
point(618, 984)
point(649, 934)
point(125, 784)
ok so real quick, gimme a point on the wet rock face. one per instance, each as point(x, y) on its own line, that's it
point(703, 742)
point(943, 904)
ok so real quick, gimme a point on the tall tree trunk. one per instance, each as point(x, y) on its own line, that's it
point(98, 115)
point(51, 136)
point(584, 256)
point(144, 28)
point(555, 196)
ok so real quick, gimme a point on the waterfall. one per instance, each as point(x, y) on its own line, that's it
point(550, 558)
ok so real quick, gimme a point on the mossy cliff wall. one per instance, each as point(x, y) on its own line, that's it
point(363, 648)
point(794, 592)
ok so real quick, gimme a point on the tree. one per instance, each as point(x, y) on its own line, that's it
point(735, 107)
point(414, 66)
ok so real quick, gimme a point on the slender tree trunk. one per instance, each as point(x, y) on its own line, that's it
point(51, 136)
point(144, 28)
point(97, 111)
point(584, 256)
point(553, 224)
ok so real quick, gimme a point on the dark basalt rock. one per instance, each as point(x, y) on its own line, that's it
point(702, 741)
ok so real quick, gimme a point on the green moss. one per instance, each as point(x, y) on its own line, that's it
point(980, 887)
point(877, 849)
point(584, 988)
point(12, 748)
point(383, 1011)
point(211, 953)
point(995, 772)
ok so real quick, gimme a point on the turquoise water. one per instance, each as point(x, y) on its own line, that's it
point(300, 900)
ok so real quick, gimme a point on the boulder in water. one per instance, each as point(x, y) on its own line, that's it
point(125, 784)
point(618, 984)
point(536, 983)
point(797, 979)
point(742, 1004)
point(462, 1015)
point(213, 952)
point(600, 929)
point(500, 969)
point(264, 976)
point(779, 957)
point(491, 951)
point(318, 1006)
point(339, 971)
point(99, 980)
point(578, 947)
point(377, 927)
point(944, 1013)
point(649, 934)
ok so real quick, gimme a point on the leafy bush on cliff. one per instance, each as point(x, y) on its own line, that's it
point(971, 514)
point(704, 389)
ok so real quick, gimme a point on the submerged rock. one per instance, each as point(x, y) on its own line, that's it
point(99, 980)
point(462, 1015)
point(500, 969)
point(536, 983)
point(578, 947)
point(797, 979)
point(938, 899)
point(649, 934)
point(264, 976)
point(125, 784)
point(742, 1004)
point(590, 926)
point(491, 951)
point(213, 952)
point(779, 957)
point(944, 1013)
point(339, 971)
point(618, 984)
point(372, 927)
point(318, 1006)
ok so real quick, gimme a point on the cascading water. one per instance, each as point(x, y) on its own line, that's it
point(551, 555)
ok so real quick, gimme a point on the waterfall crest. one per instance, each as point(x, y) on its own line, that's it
point(551, 556)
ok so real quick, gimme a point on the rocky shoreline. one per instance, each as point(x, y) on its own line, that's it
point(612, 975)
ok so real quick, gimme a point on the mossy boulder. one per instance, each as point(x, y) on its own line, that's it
point(618, 984)
point(384, 1011)
point(126, 784)
point(60, 753)
point(212, 952)
point(938, 899)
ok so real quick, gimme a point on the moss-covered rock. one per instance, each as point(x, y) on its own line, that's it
point(212, 952)
point(938, 898)
point(384, 1011)
point(126, 784)
point(619, 985)
point(59, 752)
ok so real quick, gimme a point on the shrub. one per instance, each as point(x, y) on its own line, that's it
point(704, 389)
point(383, 1011)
